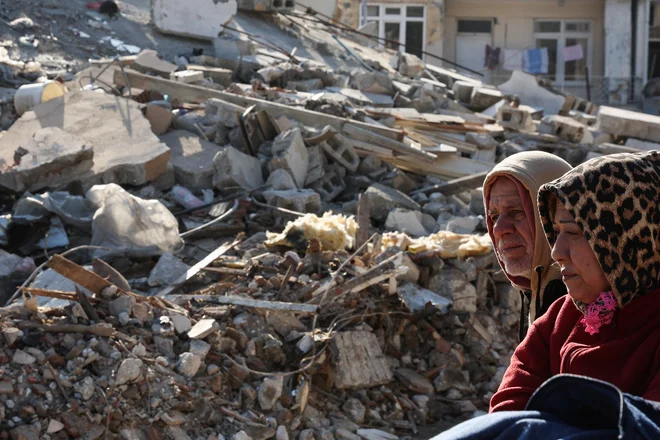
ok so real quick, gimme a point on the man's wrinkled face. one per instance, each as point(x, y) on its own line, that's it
point(513, 239)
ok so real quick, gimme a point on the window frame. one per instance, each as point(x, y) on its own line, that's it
point(402, 19)
point(561, 37)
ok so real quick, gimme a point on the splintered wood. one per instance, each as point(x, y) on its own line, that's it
point(359, 361)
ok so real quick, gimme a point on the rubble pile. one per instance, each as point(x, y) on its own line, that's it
point(269, 240)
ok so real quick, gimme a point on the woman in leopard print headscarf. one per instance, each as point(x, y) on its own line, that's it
point(602, 220)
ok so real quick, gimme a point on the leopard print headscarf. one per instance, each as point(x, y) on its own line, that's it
point(614, 201)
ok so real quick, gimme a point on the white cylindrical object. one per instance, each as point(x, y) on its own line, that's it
point(29, 96)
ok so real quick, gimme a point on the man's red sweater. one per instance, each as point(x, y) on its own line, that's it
point(625, 353)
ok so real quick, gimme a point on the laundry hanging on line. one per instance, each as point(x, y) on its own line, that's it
point(573, 53)
point(492, 58)
point(513, 59)
point(536, 61)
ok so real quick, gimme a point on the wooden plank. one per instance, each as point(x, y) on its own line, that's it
point(197, 267)
point(197, 94)
point(79, 275)
point(356, 132)
point(247, 302)
point(456, 186)
point(359, 361)
point(445, 167)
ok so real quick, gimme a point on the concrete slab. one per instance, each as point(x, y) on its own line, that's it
point(483, 97)
point(126, 152)
point(201, 19)
point(149, 62)
point(629, 124)
point(233, 168)
point(192, 158)
point(384, 199)
point(642, 145)
point(217, 74)
point(51, 158)
point(187, 76)
point(530, 93)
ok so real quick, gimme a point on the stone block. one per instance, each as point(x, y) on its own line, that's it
point(218, 75)
point(463, 91)
point(566, 128)
point(305, 200)
point(150, 63)
point(281, 180)
point(341, 151)
point(409, 222)
point(370, 164)
point(187, 76)
point(384, 199)
point(483, 97)
point(233, 168)
point(329, 186)
point(452, 284)
point(51, 157)
point(515, 119)
point(192, 158)
point(375, 82)
point(126, 152)
point(316, 167)
point(290, 153)
point(193, 18)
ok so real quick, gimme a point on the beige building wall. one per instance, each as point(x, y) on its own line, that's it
point(514, 28)
point(348, 12)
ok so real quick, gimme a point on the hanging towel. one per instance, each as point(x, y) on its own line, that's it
point(492, 58)
point(573, 53)
point(536, 60)
point(513, 59)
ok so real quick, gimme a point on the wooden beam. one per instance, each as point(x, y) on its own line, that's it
point(79, 275)
point(456, 186)
point(359, 133)
point(197, 94)
point(247, 302)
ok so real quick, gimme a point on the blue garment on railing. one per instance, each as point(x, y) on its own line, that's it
point(571, 408)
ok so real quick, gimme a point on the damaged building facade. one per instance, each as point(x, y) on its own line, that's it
point(595, 49)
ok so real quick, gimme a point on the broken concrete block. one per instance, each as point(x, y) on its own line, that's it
point(160, 118)
point(290, 153)
point(217, 74)
point(150, 63)
point(304, 200)
point(329, 186)
point(270, 392)
point(642, 145)
point(384, 199)
point(370, 164)
point(233, 168)
point(104, 122)
point(483, 97)
point(518, 119)
point(407, 64)
point(192, 158)
point(50, 158)
point(223, 111)
point(416, 298)
point(175, 17)
point(316, 168)
point(409, 222)
point(477, 201)
point(203, 328)
point(463, 91)
point(281, 180)
point(341, 151)
point(167, 270)
point(187, 76)
point(359, 361)
point(305, 85)
point(375, 82)
point(566, 128)
point(452, 284)
point(629, 124)
point(527, 88)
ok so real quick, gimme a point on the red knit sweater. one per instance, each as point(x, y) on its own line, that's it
point(625, 353)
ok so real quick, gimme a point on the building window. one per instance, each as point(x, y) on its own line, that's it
point(555, 35)
point(404, 26)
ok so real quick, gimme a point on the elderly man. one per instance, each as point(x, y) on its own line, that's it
point(510, 193)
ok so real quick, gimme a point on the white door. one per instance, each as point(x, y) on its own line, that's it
point(471, 52)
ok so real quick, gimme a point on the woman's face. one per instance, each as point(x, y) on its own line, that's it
point(580, 270)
